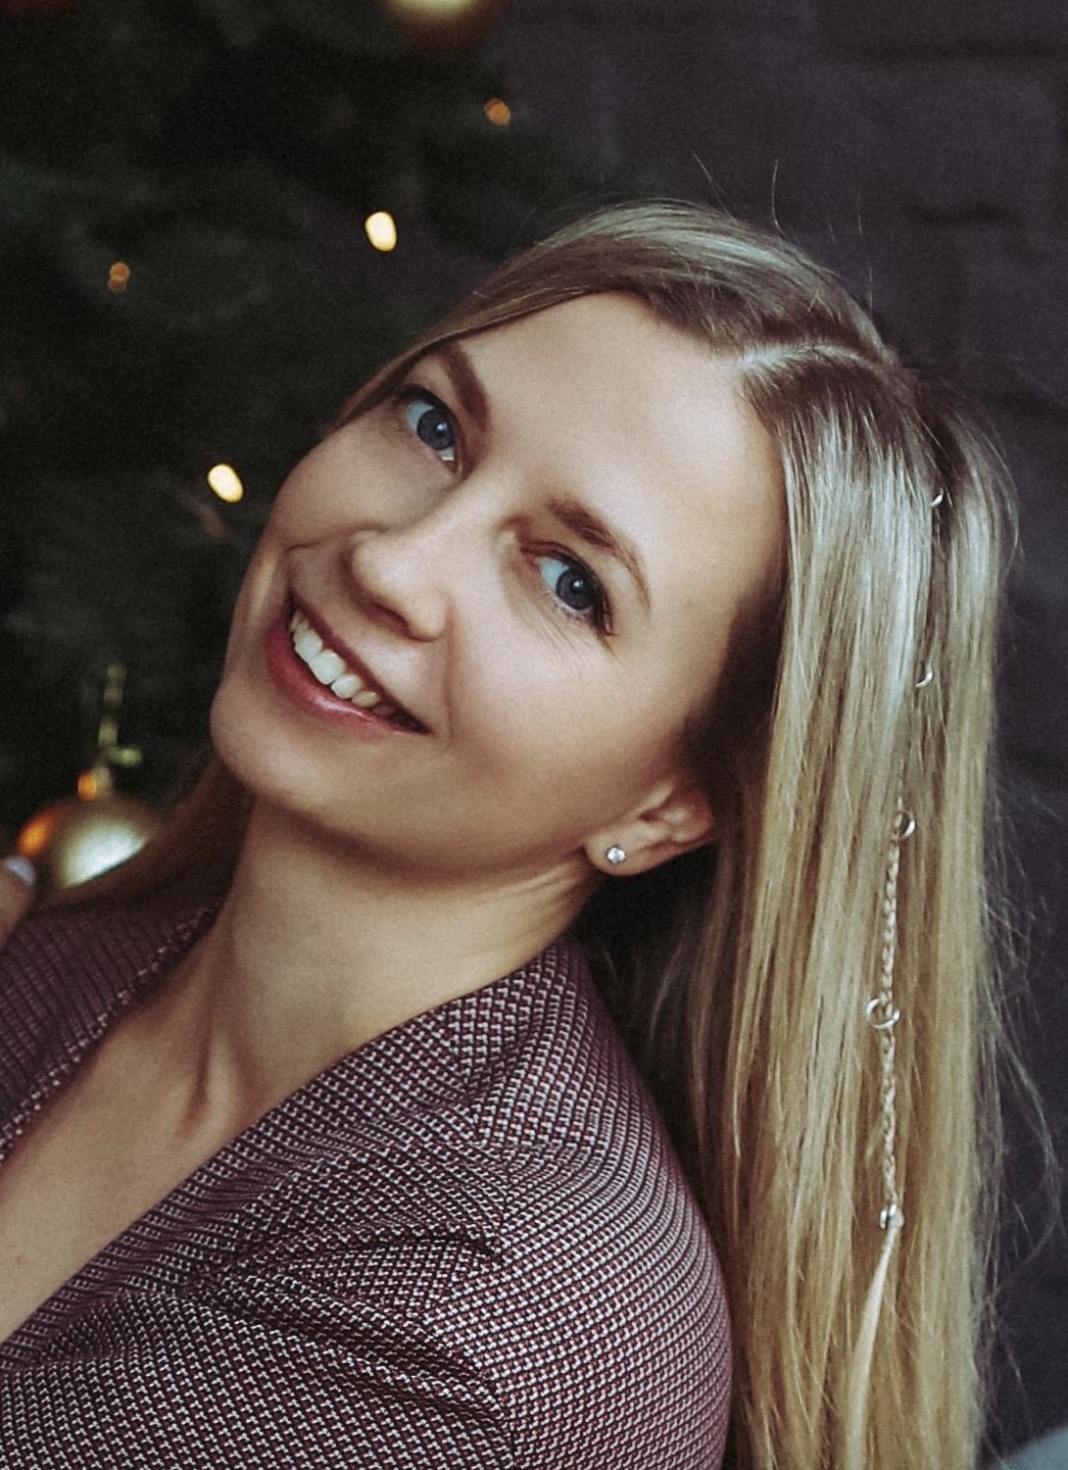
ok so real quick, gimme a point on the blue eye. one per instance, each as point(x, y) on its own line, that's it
point(574, 585)
point(431, 422)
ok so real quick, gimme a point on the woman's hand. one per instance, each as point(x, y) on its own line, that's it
point(17, 880)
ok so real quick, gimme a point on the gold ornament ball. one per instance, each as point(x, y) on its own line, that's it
point(74, 840)
point(441, 26)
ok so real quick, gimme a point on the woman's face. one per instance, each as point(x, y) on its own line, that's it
point(483, 613)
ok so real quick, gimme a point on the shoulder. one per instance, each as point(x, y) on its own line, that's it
point(498, 1194)
point(610, 1322)
point(104, 945)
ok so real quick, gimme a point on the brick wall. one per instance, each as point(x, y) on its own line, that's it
point(918, 146)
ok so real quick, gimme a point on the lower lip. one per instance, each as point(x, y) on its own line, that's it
point(300, 686)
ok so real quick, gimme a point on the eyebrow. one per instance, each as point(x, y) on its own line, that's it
point(465, 382)
point(596, 532)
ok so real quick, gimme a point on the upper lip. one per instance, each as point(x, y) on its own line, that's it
point(332, 640)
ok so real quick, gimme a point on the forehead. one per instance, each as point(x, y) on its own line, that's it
point(608, 369)
point(646, 422)
point(600, 334)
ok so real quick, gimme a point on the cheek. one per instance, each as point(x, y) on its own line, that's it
point(319, 491)
point(254, 595)
point(571, 731)
point(302, 512)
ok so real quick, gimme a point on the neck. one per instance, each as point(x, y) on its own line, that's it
point(315, 952)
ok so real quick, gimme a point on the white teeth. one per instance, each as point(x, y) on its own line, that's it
point(308, 644)
point(327, 667)
point(332, 670)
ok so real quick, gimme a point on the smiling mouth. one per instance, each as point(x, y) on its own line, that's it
point(331, 670)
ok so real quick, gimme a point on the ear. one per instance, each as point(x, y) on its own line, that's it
point(676, 818)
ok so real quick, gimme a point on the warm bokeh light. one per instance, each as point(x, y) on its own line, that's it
point(442, 27)
point(226, 483)
point(433, 9)
point(33, 839)
point(90, 786)
point(498, 112)
point(118, 276)
point(381, 230)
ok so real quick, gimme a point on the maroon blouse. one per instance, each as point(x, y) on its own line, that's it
point(467, 1244)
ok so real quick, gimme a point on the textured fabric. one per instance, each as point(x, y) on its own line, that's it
point(466, 1244)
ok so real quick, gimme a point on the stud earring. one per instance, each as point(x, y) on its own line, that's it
point(616, 855)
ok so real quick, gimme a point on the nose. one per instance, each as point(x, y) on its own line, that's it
point(406, 577)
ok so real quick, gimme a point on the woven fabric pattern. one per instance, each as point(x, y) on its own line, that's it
point(467, 1244)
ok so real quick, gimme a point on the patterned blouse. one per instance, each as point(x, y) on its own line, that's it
point(467, 1244)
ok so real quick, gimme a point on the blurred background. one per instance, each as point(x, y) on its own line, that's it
point(217, 216)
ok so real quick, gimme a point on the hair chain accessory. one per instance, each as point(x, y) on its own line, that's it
point(615, 855)
point(883, 1016)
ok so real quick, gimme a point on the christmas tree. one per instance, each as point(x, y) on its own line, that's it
point(198, 206)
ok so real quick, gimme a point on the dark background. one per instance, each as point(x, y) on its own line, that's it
point(229, 150)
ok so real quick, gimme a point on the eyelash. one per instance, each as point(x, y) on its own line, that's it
point(598, 615)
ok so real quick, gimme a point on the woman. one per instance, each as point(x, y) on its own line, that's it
point(647, 602)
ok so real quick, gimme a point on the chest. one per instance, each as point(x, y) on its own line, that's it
point(101, 1154)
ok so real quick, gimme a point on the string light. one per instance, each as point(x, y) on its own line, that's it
point(381, 230)
point(226, 483)
point(498, 112)
point(118, 276)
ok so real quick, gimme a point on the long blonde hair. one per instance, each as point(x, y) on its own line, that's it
point(864, 689)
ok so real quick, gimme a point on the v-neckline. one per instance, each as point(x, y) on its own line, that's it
point(153, 1248)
